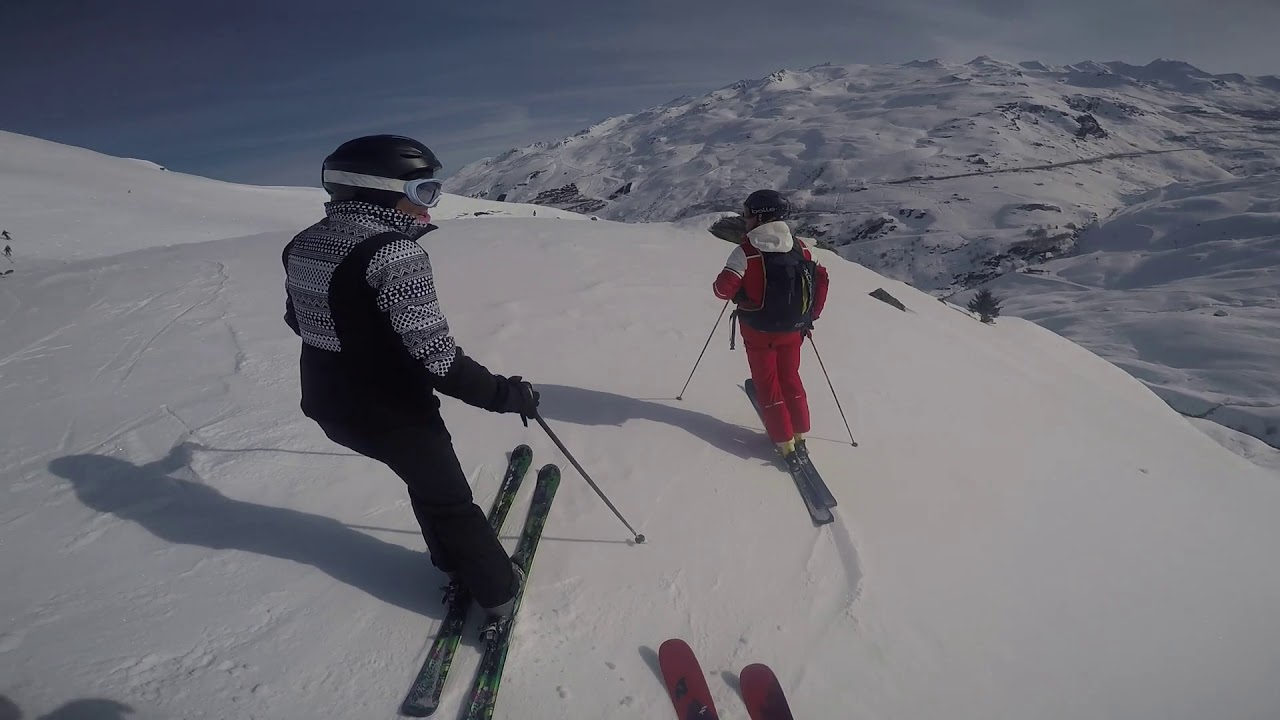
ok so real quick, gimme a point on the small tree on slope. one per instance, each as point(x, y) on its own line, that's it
point(986, 305)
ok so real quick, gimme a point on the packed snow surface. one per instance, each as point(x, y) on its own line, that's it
point(1024, 531)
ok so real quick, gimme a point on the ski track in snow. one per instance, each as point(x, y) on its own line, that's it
point(848, 553)
point(37, 346)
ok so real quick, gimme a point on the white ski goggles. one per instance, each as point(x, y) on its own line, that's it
point(424, 192)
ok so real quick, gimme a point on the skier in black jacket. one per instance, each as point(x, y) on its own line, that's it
point(376, 347)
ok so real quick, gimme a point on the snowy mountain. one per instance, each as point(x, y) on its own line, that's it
point(951, 176)
point(913, 169)
point(1182, 290)
point(1024, 531)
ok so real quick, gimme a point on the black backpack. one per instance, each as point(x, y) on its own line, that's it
point(790, 289)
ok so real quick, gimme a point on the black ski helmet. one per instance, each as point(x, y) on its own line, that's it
point(385, 156)
point(767, 205)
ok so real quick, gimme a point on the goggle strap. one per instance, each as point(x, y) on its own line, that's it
point(365, 181)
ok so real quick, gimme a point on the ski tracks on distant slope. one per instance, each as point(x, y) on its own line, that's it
point(136, 355)
point(37, 346)
point(14, 303)
point(217, 292)
point(1028, 168)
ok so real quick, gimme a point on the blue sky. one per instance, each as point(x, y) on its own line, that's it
point(261, 91)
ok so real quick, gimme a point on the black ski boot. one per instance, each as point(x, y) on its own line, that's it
point(495, 617)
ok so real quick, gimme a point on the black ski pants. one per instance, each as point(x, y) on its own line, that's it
point(456, 530)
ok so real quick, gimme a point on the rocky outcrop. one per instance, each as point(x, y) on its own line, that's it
point(568, 197)
point(1089, 127)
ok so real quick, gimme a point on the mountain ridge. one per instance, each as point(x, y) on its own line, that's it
point(834, 136)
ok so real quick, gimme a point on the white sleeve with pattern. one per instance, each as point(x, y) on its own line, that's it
point(401, 273)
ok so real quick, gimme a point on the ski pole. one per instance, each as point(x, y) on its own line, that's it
point(814, 345)
point(704, 351)
point(638, 537)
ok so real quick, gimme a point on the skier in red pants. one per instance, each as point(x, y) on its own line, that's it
point(779, 292)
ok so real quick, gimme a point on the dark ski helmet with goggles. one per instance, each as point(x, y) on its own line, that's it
point(382, 169)
point(767, 206)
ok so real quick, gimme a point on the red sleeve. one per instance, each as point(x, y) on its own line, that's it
point(727, 284)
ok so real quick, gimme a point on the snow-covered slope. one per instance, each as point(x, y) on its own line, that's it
point(1025, 530)
point(913, 171)
point(59, 202)
point(1182, 290)
point(907, 168)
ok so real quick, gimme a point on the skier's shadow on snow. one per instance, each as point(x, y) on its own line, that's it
point(90, 709)
point(581, 406)
point(191, 513)
point(87, 709)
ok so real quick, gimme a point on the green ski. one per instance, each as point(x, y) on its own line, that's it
point(424, 695)
point(484, 694)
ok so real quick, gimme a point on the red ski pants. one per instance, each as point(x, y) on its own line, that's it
point(775, 369)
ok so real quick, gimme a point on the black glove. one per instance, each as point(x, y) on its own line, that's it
point(517, 396)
